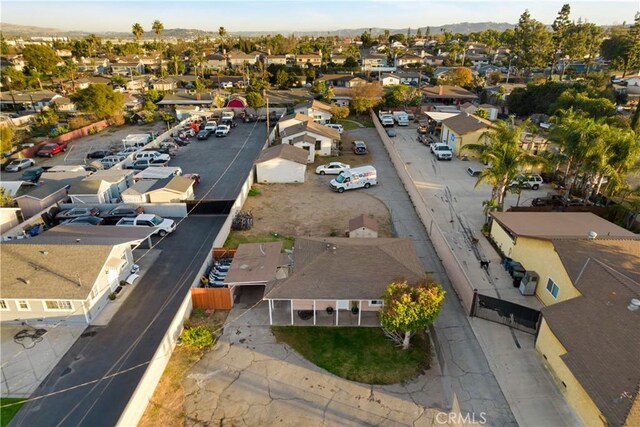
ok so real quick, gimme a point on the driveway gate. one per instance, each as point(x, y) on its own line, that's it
point(506, 312)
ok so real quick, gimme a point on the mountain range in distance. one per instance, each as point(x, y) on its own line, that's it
point(12, 30)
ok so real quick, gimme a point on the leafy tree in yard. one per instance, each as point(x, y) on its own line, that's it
point(366, 97)
point(167, 118)
point(319, 87)
point(137, 31)
point(6, 138)
point(119, 80)
point(47, 117)
point(339, 112)
point(255, 100)
point(531, 43)
point(282, 79)
point(622, 47)
point(41, 57)
point(461, 76)
point(197, 337)
point(351, 63)
point(409, 309)
point(6, 201)
point(560, 28)
point(501, 150)
point(594, 107)
point(99, 100)
point(13, 79)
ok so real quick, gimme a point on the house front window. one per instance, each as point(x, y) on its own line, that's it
point(59, 305)
point(318, 145)
point(376, 303)
point(552, 288)
point(3, 305)
point(23, 305)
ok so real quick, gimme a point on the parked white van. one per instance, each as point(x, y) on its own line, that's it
point(363, 176)
point(335, 126)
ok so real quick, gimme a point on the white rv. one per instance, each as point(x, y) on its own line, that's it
point(349, 179)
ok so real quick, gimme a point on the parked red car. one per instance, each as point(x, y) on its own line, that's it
point(51, 149)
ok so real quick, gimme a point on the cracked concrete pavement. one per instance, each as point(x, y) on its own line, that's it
point(249, 379)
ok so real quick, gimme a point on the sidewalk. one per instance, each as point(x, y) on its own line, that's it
point(448, 191)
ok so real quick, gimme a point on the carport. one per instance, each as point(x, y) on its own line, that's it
point(253, 265)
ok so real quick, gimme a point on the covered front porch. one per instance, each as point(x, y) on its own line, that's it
point(323, 312)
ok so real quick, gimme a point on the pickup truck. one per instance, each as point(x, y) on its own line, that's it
point(51, 149)
point(142, 164)
point(222, 130)
point(442, 151)
point(164, 226)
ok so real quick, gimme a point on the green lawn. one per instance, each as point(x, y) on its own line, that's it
point(348, 124)
point(365, 355)
point(6, 414)
point(237, 237)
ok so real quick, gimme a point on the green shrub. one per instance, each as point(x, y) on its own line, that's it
point(198, 313)
point(254, 191)
point(198, 337)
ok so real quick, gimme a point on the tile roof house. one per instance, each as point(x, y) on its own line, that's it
point(462, 129)
point(64, 275)
point(533, 239)
point(591, 342)
point(282, 163)
point(334, 274)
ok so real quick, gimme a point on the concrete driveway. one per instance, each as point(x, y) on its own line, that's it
point(249, 379)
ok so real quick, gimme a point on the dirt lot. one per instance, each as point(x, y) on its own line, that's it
point(311, 208)
point(165, 408)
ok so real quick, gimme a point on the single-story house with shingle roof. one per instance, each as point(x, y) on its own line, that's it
point(282, 163)
point(171, 190)
point(66, 274)
point(292, 119)
point(94, 191)
point(326, 139)
point(462, 129)
point(319, 111)
point(331, 276)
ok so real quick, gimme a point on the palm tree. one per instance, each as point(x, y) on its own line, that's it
point(222, 32)
point(157, 27)
point(137, 31)
point(501, 149)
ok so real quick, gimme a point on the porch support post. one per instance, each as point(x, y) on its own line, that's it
point(270, 313)
point(359, 311)
point(314, 312)
point(291, 312)
point(337, 313)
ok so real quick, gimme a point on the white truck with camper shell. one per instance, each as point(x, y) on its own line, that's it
point(164, 226)
point(401, 118)
point(349, 179)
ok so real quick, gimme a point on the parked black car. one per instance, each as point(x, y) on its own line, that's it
point(204, 134)
point(84, 220)
point(99, 154)
point(119, 212)
point(32, 175)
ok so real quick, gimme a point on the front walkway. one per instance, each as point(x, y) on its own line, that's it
point(249, 379)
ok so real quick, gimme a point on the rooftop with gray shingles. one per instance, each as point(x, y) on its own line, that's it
point(342, 268)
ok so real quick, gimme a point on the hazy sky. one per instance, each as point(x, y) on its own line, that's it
point(302, 15)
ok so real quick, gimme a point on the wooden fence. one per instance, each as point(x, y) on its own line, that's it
point(212, 298)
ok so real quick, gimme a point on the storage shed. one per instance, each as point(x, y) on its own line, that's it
point(282, 163)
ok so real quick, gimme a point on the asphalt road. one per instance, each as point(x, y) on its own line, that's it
point(465, 371)
point(223, 163)
point(131, 338)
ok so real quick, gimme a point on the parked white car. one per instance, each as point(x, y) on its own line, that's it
point(333, 168)
point(164, 226)
point(19, 164)
point(222, 130)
